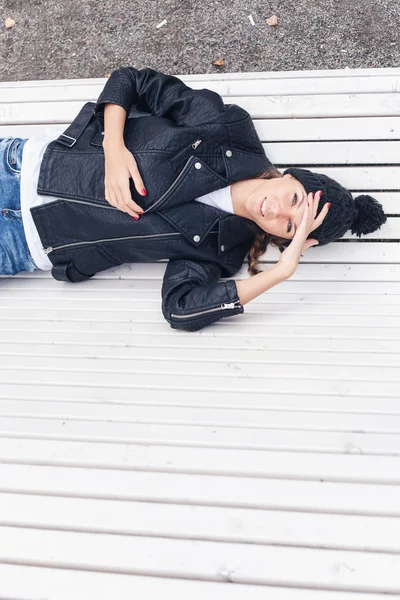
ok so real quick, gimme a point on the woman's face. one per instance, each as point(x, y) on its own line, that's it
point(285, 200)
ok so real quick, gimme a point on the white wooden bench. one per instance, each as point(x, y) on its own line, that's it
point(274, 462)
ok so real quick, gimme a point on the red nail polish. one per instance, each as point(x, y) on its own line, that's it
point(144, 193)
point(136, 218)
point(329, 204)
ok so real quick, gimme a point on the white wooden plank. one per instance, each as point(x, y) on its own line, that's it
point(273, 397)
point(288, 106)
point(209, 368)
point(134, 418)
point(242, 331)
point(356, 251)
point(186, 459)
point(328, 153)
point(371, 305)
point(267, 304)
point(212, 561)
point(146, 277)
point(324, 129)
point(274, 130)
point(224, 524)
point(36, 583)
point(222, 433)
point(112, 349)
point(229, 87)
point(317, 497)
point(332, 254)
point(134, 315)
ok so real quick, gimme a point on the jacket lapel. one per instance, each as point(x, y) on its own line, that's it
point(197, 219)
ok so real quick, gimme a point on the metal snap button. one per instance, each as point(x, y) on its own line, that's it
point(198, 165)
point(196, 238)
point(222, 248)
point(229, 152)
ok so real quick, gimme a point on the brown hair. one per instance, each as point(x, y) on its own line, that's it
point(262, 238)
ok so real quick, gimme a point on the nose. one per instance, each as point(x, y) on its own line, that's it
point(274, 209)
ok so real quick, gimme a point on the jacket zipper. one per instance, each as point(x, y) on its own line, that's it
point(50, 249)
point(129, 237)
point(185, 168)
point(202, 312)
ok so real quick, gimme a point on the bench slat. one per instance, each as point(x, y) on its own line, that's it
point(221, 434)
point(346, 128)
point(242, 563)
point(59, 584)
point(319, 497)
point(293, 106)
point(202, 522)
point(232, 87)
point(186, 459)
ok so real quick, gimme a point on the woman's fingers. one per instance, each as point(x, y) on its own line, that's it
point(120, 165)
point(127, 202)
point(136, 178)
point(324, 211)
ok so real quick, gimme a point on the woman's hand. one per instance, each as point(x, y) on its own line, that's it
point(291, 255)
point(120, 165)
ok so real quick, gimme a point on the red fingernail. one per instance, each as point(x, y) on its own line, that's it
point(144, 193)
point(329, 204)
point(136, 218)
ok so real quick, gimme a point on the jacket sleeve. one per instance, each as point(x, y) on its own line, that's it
point(193, 298)
point(161, 95)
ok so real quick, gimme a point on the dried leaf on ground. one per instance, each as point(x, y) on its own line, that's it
point(9, 23)
point(272, 21)
point(219, 63)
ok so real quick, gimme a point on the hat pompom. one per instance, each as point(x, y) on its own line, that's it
point(370, 215)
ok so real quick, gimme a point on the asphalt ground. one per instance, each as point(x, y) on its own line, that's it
point(55, 39)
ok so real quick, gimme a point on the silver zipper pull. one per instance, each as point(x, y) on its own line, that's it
point(48, 250)
point(197, 142)
point(231, 305)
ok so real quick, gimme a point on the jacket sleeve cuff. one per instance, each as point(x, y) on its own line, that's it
point(199, 317)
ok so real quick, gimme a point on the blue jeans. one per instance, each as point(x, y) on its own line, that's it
point(14, 252)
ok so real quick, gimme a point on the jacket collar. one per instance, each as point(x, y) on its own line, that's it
point(241, 164)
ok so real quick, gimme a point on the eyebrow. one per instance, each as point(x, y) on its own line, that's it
point(298, 206)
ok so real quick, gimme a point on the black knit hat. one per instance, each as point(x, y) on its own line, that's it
point(361, 215)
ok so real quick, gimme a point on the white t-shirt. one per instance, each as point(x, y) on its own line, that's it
point(32, 155)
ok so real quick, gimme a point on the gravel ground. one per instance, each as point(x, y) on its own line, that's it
point(53, 39)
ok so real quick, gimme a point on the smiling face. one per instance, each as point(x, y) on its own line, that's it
point(277, 205)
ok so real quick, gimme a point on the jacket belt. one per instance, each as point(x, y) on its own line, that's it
point(78, 125)
point(67, 271)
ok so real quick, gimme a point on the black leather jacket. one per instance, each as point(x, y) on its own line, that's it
point(191, 144)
